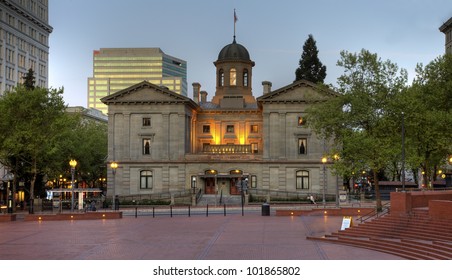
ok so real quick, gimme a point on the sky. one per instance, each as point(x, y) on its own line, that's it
point(406, 32)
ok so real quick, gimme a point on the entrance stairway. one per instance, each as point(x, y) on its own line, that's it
point(415, 236)
point(215, 200)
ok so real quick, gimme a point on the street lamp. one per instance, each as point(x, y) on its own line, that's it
point(324, 160)
point(114, 166)
point(9, 194)
point(403, 151)
point(73, 164)
point(193, 184)
point(336, 157)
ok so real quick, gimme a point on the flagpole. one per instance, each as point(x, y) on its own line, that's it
point(235, 20)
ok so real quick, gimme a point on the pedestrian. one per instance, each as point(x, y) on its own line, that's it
point(311, 198)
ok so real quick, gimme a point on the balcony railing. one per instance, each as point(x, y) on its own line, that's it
point(227, 149)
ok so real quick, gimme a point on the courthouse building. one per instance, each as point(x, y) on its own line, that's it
point(167, 142)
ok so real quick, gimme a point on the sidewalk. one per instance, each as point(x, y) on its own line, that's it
point(216, 237)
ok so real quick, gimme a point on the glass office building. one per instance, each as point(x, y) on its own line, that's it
point(24, 42)
point(115, 69)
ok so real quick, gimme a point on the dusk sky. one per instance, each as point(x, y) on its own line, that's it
point(405, 32)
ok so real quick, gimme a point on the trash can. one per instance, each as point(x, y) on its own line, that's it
point(265, 209)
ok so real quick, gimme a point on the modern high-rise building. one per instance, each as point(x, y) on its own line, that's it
point(115, 69)
point(24, 41)
point(446, 28)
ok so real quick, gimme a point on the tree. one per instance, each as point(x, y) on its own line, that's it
point(29, 80)
point(427, 106)
point(358, 120)
point(30, 124)
point(310, 69)
point(91, 150)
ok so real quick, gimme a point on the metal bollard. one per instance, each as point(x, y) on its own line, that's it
point(136, 212)
point(207, 210)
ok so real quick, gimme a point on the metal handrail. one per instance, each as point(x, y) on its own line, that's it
point(375, 213)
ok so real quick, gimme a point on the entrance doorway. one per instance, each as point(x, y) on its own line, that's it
point(233, 189)
point(210, 186)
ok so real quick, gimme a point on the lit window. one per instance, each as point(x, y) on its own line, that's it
point(254, 128)
point(302, 179)
point(233, 77)
point(146, 179)
point(301, 121)
point(206, 128)
point(254, 148)
point(230, 129)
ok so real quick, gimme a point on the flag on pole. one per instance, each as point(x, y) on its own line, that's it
point(235, 17)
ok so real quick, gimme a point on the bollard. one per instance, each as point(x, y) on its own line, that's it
point(188, 210)
point(171, 211)
point(207, 210)
point(136, 212)
point(153, 212)
point(224, 207)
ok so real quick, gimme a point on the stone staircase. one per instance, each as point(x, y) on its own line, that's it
point(415, 236)
point(215, 200)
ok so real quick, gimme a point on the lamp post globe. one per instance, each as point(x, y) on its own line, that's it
point(73, 164)
point(324, 161)
point(114, 166)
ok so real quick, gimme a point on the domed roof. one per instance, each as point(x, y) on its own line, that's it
point(234, 51)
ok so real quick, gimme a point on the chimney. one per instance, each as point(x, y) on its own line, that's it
point(203, 96)
point(267, 86)
point(196, 89)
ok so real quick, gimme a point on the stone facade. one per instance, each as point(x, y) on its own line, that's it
point(165, 142)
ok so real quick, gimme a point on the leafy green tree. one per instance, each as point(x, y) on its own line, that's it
point(29, 80)
point(310, 69)
point(90, 150)
point(30, 124)
point(358, 120)
point(427, 106)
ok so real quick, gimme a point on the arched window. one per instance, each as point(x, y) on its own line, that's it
point(232, 77)
point(221, 78)
point(302, 179)
point(146, 179)
point(245, 78)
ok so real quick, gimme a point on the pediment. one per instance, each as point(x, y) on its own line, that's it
point(143, 93)
point(298, 92)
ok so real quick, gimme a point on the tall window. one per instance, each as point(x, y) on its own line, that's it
point(253, 181)
point(221, 78)
point(302, 179)
point(302, 146)
point(254, 128)
point(245, 78)
point(146, 179)
point(146, 146)
point(254, 148)
point(232, 77)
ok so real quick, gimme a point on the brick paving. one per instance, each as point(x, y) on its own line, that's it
point(217, 237)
